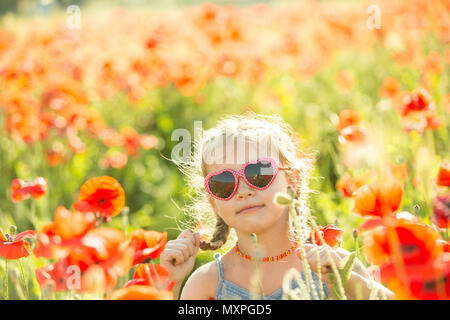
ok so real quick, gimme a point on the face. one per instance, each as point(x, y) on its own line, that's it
point(259, 218)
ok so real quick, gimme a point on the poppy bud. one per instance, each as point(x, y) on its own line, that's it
point(254, 239)
point(12, 230)
point(416, 209)
point(355, 234)
point(282, 199)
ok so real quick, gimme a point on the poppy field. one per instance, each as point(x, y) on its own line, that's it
point(90, 99)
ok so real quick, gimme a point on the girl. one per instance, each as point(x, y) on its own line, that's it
point(260, 157)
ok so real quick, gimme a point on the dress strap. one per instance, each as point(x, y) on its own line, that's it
point(219, 265)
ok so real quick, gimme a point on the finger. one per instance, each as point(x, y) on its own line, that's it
point(197, 239)
point(187, 234)
point(189, 243)
point(183, 247)
point(173, 256)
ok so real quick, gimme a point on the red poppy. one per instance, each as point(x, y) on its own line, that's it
point(417, 101)
point(331, 234)
point(443, 177)
point(441, 211)
point(378, 199)
point(136, 292)
point(101, 256)
point(427, 281)
point(348, 185)
point(417, 241)
point(15, 247)
point(352, 134)
point(21, 190)
point(148, 141)
point(433, 63)
point(114, 159)
point(147, 244)
point(54, 274)
point(55, 239)
point(397, 171)
point(101, 195)
point(390, 88)
point(111, 138)
point(131, 140)
point(347, 118)
point(151, 275)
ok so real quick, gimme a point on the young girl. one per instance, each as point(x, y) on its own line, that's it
point(239, 185)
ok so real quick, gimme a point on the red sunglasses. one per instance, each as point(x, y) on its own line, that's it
point(258, 174)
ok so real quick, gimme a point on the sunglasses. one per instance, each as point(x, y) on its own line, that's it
point(258, 174)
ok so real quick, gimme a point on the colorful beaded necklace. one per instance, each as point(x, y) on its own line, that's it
point(267, 259)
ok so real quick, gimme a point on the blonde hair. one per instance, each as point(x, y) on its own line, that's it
point(254, 127)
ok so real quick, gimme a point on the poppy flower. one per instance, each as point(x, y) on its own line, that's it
point(101, 256)
point(131, 140)
point(147, 244)
point(378, 198)
point(21, 190)
point(56, 238)
point(348, 117)
point(331, 234)
point(151, 275)
point(417, 101)
point(441, 211)
point(101, 195)
point(114, 159)
point(390, 88)
point(136, 292)
point(426, 281)
point(417, 241)
point(148, 141)
point(443, 177)
point(348, 185)
point(433, 63)
point(53, 274)
point(352, 134)
point(397, 171)
point(15, 247)
point(111, 138)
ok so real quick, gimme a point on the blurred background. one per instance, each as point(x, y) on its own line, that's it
point(100, 92)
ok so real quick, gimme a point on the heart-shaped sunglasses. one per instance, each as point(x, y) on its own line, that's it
point(258, 174)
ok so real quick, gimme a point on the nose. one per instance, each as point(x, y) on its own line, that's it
point(244, 190)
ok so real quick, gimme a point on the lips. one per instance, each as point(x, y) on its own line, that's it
point(250, 208)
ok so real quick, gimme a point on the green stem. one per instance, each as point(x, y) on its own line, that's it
point(6, 280)
point(33, 214)
point(22, 275)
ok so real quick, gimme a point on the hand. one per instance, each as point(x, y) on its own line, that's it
point(315, 254)
point(359, 273)
point(179, 255)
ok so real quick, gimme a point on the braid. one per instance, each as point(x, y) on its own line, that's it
point(219, 237)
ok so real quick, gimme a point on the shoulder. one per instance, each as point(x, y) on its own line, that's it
point(202, 284)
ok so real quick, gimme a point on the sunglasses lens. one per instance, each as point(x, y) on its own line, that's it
point(222, 185)
point(259, 174)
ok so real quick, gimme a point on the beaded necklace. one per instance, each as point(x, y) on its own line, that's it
point(267, 259)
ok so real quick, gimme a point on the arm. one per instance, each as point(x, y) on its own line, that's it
point(201, 285)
